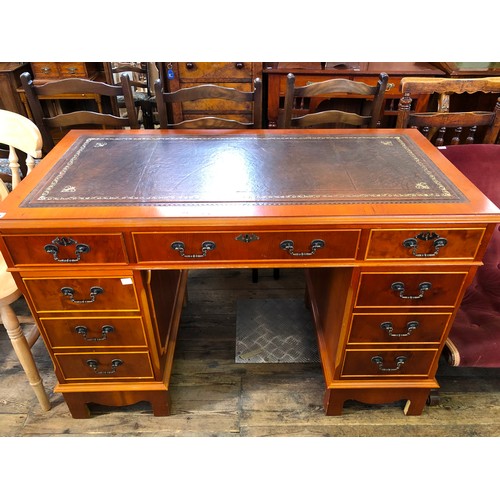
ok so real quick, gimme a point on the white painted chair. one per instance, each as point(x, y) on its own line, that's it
point(19, 133)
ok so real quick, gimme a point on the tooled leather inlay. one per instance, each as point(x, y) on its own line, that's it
point(266, 170)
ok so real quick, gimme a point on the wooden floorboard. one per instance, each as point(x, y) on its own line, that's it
point(214, 396)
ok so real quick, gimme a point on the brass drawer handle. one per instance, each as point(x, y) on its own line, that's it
point(379, 361)
point(413, 243)
point(71, 70)
point(411, 326)
point(83, 331)
point(423, 287)
point(94, 364)
point(206, 246)
point(67, 291)
point(53, 248)
point(288, 246)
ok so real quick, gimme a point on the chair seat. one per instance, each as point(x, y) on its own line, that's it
point(138, 97)
point(474, 339)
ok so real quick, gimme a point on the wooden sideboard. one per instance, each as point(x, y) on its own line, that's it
point(100, 236)
point(275, 74)
point(239, 75)
point(9, 83)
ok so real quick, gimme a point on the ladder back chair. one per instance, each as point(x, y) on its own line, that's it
point(141, 88)
point(63, 89)
point(443, 126)
point(301, 104)
point(19, 133)
point(211, 92)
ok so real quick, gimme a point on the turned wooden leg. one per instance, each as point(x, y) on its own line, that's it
point(24, 354)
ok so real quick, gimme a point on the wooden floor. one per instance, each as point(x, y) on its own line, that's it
point(214, 396)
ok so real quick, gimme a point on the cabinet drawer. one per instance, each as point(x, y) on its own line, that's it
point(51, 249)
point(207, 107)
point(236, 246)
point(88, 294)
point(104, 366)
point(73, 70)
point(388, 363)
point(419, 289)
point(401, 328)
point(45, 70)
point(94, 332)
point(215, 71)
point(415, 243)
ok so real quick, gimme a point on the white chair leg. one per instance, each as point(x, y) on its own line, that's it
point(24, 354)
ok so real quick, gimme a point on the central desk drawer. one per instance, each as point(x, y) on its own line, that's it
point(53, 249)
point(105, 366)
point(388, 363)
point(94, 332)
point(82, 294)
point(237, 246)
point(419, 289)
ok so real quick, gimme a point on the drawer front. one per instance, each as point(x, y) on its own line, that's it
point(104, 366)
point(45, 70)
point(73, 70)
point(50, 249)
point(388, 363)
point(215, 71)
point(94, 332)
point(236, 246)
point(417, 244)
point(82, 294)
point(411, 328)
point(422, 289)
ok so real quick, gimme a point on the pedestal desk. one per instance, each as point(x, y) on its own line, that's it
point(101, 235)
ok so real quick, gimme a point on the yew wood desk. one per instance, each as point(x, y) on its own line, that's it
point(101, 235)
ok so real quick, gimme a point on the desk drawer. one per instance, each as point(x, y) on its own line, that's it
point(82, 294)
point(94, 332)
point(53, 249)
point(419, 244)
point(104, 366)
point(390, 327)
point(252, 245)
point(388, 363)
point(419, 289)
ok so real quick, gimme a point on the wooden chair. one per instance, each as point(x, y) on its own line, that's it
point(301, 104)
point(211, 92)
point(441, 126)
point(141, 88)
point(19, 133)
point(76, 119)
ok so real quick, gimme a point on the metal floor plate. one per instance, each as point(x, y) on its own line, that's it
point(275, 331)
